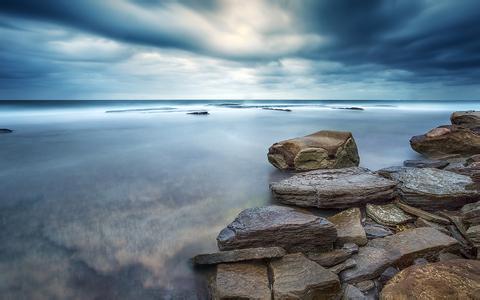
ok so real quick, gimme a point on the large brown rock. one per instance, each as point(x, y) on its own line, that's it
point(293, 229)
point(320, 150)
point(399, 249)
point(238, 255)
point(447, 140)
point(241, 281)
point(453, 279)
point(434, 189)
point(349, 227)
point(296, 277)
point(468, 119)
point(341, 188)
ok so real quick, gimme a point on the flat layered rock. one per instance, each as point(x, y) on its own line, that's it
point(453, 279)
point(351, 292)
point(473, 235)
point(320, 150)
point(375, 231)
point(341, 188)
point(468, 119)
point(293, 229)
point(471, 213)
point(241, 281)
point(426, 163)
point(447, 140)
point(422, 214)
point(388, 214)
point(349, 263)
point(434, 189)
point(399, 249)
point(420, 222)
point(296, 277)
point(349, 227)
point(238, 255)
point(334, 257)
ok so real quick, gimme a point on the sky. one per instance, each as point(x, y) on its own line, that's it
point(245, 49)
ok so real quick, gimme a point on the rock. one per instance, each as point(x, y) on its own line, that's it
point(468, 119)
point(444, 256)
point(340, 188)
point(388, 214)
point(320, 150)
point(420, 261)
point(293, 229)
point(374, 231)
point(464, 243)
point(241, 281)
point(399, 249)
point(426, 163)
point(349, 227)
point(199, 113)
point(473, 235)
point(365, 286)
point(5, 130)
point(350, 108)
point(350, 292)
point(331, 258)
point(238, 255)
point(296, 277)
point(349, 263)
point(471, 213)
point(420, 222)
point(422, 214)
point(387, 275)
point(454, 279)
point(456, 218)
point(446, 140)
point(465, 167)
point(434, 189)
point(277, 109)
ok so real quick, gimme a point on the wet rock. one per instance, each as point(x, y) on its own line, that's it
point(473, 235)
point(238, 255)
point(5, 130)
point(341, 188)
point(448, 139)
point(320, 150)
point(434, 189)
point(422, 214)
point(296, 277)
point(471, 213)
point(426, 163)
point(375, 231)
point(349, 227)
point(468, 119)
point(331, 258)
point(199, 113)
point(388, 214)
point(241, 281)
point(365, 286)
point(349, 263)
point(350, 292)
point(399, 249)
point(454, 279)
point(293, 229)
point(387, 275)
point(420, 222)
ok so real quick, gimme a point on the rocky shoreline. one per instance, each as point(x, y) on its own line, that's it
point(405, 232)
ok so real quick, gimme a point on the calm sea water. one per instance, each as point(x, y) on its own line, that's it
point(111, 205)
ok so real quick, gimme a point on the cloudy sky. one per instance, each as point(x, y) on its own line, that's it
point(245, 49)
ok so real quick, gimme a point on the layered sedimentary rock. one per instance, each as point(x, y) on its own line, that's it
point(426, 163)
point(349, 227)
point(320, 150)
point(238, 255)
point(447, 140)
point(422, 214)
point(296, 277)
point(374, 230)
point(293, 229)
point(468, 119)
point(473, 235)
point(399, 249)
point(388, 214)
point(341, 188)
point(434, 189)
point(334, 257)
point(453, 279)
point(471, 213)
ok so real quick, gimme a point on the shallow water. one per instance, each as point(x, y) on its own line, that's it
point(97, 205)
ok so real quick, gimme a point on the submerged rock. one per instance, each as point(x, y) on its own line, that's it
point(296, 277)
point(375, 231)
point(5, 130)
point(453, 279)
point(199, 113)
point(320, 150)
point(471, 213)
point(468, 119)
point(388, 214)
point(334, 257)
point(447, 140)
point(434, 189)
point(238, 255)
point(241, 281)
point(293, 229)
point(349, 227)
point(340, 188)
point(426, 163)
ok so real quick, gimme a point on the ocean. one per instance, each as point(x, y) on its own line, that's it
point(110, 199)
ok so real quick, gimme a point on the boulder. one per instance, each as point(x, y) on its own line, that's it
point(241, 281)
point(349, 263)
point(471, 213)
point(293, 229)
point(434, 189)
point(341, 188)
point(332, 258)
point(397, 250)
point(426, 163)
point(349, 227)
point(320, 150)
point(388, 214)
point(296, 277)
point(422, 214)
point(468, 119)
point(374, 230)
point(453, 279)
point(447, 140)
point(238, 255)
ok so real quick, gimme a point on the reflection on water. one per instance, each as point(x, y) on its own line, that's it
point(112, 206)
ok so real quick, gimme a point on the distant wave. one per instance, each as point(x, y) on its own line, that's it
point(141, 109)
